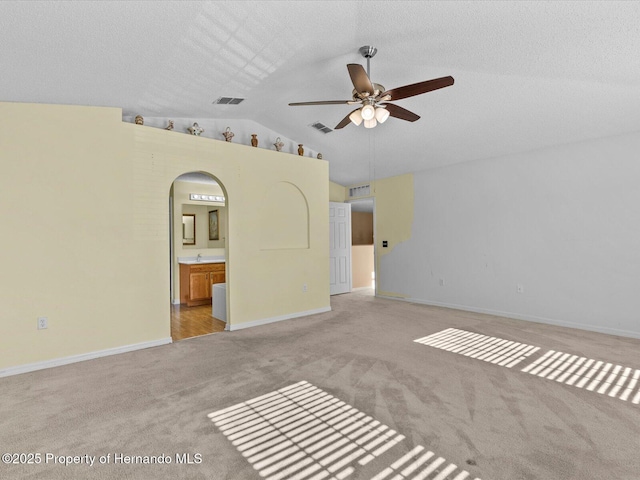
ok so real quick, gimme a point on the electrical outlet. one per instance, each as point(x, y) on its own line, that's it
point(43, 322)
point(442, 282)
point(304, 287)
point(520, 288)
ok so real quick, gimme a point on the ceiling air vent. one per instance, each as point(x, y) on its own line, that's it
point(321, 127)
point(360, 191)
point(228, 101)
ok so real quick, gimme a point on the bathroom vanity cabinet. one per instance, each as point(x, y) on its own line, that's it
point(196, 280)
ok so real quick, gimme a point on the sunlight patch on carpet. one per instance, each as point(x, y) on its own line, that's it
point(435, 468)
point(301, 432)
point(482, 347)
point(592, 375)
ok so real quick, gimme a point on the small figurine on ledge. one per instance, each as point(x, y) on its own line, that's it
point(278, 144)
point(139, 120)
point(170, 126)
point(319, 156)
point(254, 139)
point(227, 134)
point(300, 149)
point(195, 129)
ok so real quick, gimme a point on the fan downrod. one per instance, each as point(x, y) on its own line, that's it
point(368, 52)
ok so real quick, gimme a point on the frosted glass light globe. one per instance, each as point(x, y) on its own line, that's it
point(368, 112)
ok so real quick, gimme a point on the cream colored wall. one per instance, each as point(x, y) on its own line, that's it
point(95, 261)
point(394, 218)
point(203, 245)
point(182, 204)
point(394, 199)
point(394, 210)
point(337, 193)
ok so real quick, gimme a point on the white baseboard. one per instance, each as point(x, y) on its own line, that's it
point(265, 321)
point(56, 362)
point(528, 318)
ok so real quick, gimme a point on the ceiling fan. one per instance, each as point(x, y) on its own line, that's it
point(373, 97)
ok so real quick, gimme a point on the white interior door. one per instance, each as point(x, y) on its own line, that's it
point(340, 247)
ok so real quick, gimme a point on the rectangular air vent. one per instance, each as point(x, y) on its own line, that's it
point(321, 127)
point(360, 191)
point(228, 101)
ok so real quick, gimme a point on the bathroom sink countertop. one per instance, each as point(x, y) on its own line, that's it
point(204, 259)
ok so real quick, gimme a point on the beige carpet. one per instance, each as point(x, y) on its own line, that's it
point(476, 415)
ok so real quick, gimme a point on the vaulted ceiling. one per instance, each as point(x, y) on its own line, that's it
point(527, 74)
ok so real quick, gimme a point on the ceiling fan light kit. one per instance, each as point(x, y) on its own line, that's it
point(372, 95)
point(382, 114)
point(356, 117)
point(368, 112)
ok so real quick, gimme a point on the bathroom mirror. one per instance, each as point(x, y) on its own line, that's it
point(189, 229)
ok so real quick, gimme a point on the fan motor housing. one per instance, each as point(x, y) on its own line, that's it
point(376, 88)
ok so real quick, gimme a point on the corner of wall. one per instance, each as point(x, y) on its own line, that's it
point(394, 211)
point(337, 193)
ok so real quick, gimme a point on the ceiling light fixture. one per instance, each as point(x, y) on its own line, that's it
point(368, 112)
point(206, 198)
point(372, 95)
point(356, 117)
point(370, 123)
point(382, 114)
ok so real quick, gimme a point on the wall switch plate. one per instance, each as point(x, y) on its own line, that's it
point(520, 288)
point(385, 244)
point(43, 322)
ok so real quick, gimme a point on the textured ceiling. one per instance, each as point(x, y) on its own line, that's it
point(527, 74)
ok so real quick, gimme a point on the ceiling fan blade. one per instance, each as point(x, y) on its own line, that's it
point(360, 79)
point(418, 88)
point(399, 112)
point(322, 102)
point(345, 121)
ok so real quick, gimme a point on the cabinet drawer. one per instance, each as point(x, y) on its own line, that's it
point(217, 267)
point(205, 267)
point(217, 277)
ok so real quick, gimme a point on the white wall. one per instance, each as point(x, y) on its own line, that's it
point(563, 222)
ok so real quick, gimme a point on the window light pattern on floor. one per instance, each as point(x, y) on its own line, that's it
point(593, 375)
point(404, 468)
point(301, 432)
point(482, 347)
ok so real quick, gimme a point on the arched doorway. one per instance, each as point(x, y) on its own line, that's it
point(198, 217)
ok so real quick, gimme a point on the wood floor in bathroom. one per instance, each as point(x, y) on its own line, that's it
point(187, 322)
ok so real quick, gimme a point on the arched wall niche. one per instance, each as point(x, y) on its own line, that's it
point(284, 218)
